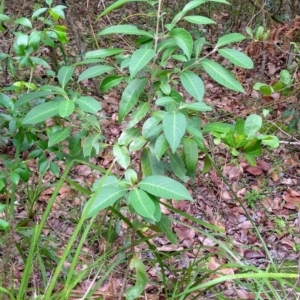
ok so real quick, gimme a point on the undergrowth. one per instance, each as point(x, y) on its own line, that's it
point(79, 240)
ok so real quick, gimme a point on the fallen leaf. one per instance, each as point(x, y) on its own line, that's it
point(255, 171)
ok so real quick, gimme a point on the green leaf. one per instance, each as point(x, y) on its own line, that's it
point(41, 113)
point(138, 114)
point(269, 140)
point(88, 104)
point(229, 38)
point(6, 101)
point(130, 96)
point(128, 135)
point(59, 136)
point(266, 90)
point(24, 99)
point(56, 89)
point(198, 45)
point(54, 169)
point(4, 225)
point(109, 82)
point(139, 59)
point(198, 106)
point(174, 125)
point(122, 155)
point(160, 147)
point(66, 108)
point(164, 187)
point(177, 166)
point(142, 203)
point(102, 53)
point(236, 57)
point(252, 125)
point(151, 127)
point(150, 164)
point(107, 196)
point(141, 279)
point(217, 127)
point(193, 84)
point(64, 75)
point(124, 29)
point(14, 177)
point(183, 40)
point(190, 150)
point(38, 12)
point(221, 75)
point(137, 144)
point(94, 72)
point(23, 21)
point(285, 77)
point(165, 226)
point(199, 20)
point(90, 143)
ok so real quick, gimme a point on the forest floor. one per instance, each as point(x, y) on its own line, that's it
point(270, 190)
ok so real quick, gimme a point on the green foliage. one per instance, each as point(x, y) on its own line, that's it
point(243, 136)
point(161, 128)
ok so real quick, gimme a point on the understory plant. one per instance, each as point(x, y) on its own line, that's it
point(161, 107)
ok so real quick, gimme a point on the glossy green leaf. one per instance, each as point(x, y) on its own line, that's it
point(174, 126)
point(128, 135)
point(64, 75)
point(24, 174)
point(24, 22)
point(151, 127)
point(90, 143)
point(107, 196)
point(122, 156)
point(190, 150)
point(138, 114)
point(164, 187)
point(198, 45)
point(124, 29)
point(177, 166)
point(285, 77)
point(130, 96)
point(6, 101)
point(160, 147)
point(150, 164)
point(229, 38)
point(198, 106)
point(221, 75)
point(38, 12)
point(88, 104)
point(139, 59)
point(4, 225)
point(131, 176)
point(94, 72)
point(26, 98)
point(56, 89)
point(66, 108)
point(102, 53)
point(141, 279)
point(142, 203)
point(165, 226)
point(193, 84)
point(269, 140)
point(14, 177)
point(41, 113)
point(183, 40)
point(252, 125)
point(218, 127)
point(237, 57)
point(109, 82)
point(59, 136)
point(199, 20)
point(137, 144)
